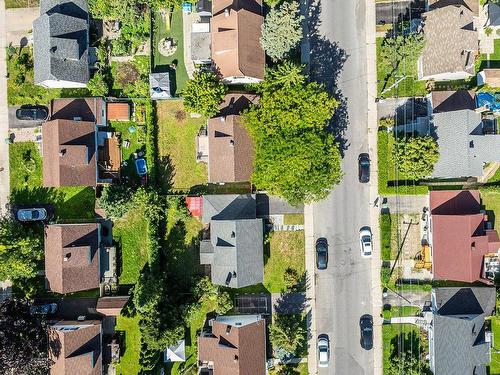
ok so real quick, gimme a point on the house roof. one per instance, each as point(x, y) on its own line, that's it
point(237, 345)
point(235, 247)
point(236, 49)
point(459, 239)
point(451, 43)
point(75, 348)
point(493, 13)
point(463, 148)
point(459, 330)
point(446, 101)
point(118, 111)
point(79, 245)
point(111, 306)
point(472, 5)
point(491, 77)
point(69, 149)
point(87, 109)
point(60, 40)
point(159, 85)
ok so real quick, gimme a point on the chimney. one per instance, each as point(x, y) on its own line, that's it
point(226, 12)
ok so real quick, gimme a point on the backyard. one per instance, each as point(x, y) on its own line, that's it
point(174, 63)
point(129, 361)
point(495, 350)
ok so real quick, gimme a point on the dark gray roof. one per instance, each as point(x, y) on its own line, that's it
point(159, 85)
point(459, 330)
point(235, 247)
point(61, 42)
point(462, 147)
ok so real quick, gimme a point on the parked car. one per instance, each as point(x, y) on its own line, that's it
point(322, 253)
point(32, 112)
point(364, 168)
point(323, 351)
point(365, 241)
point(31, 214)
point(366, 327)
point(48, 308)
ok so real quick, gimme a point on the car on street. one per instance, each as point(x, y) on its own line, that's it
point(364, 168)
point(31, 214)
point(32, 113)
point(323, 351)
point(365, 241)
point(48, 308)
point(366, 327)
point(321, 253)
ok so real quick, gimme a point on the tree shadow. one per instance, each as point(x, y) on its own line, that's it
point(408, 342)
point(291, 303)
point(166, 173)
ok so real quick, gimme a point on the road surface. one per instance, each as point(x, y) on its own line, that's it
point(343, 291)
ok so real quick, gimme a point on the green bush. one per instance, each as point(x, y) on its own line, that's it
point(385, 235)
point(115, 200)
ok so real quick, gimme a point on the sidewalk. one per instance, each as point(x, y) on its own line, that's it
point(187, 22)
point(4, 116)
point(311, 289)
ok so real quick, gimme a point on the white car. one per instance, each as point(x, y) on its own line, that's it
point(323, 351)
point(31, 214)
point(365, 240)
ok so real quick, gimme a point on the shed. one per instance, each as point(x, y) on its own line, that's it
point(118, 111)
point(175, 353)
point(159, 86)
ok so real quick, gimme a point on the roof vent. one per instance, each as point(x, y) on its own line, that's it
point(223, 119)
point(228, 329)
point(226, 12)
point(62, 152)
point(231, 142)
point(233, 234)
point(67, 256)
point(234, 273)
point(471, 144)
point(235, 358)
point(473, 246)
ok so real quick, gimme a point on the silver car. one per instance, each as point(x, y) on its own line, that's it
point(365, 240)
point(323, 351)
point(31, 214)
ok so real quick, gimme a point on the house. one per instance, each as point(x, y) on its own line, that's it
point(61, 44)
point(466, 140)
point(451, 44)
point(490, 77)
point(235, 345)
point(464, 246)
point(233, 243)
point(237, 55)
point(159, 86)
point(75, 347)
point(472, 5)
point(230, 151)
point(448, 101)
point(459, 342)
point(118, 111)
point(79, 109)
point(72, 257)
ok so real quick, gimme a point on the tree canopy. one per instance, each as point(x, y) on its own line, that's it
point(416, 156)
point(20, 251)
point(287, 333)
point(282, 30)
point(295, 156)
point(204, 93)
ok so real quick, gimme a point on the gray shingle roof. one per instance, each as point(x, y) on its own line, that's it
point(235, 247)
point(462, 147)
point(459, 330)
point(61, 42)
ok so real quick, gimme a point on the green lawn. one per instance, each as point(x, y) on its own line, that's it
point(293, 219)
point(400, 311)
point(20, 3)
point(409, 335)
point(162, 63)
point(387, 184)
point(295, 369)
point(176, 140)
point(494, 61)
point(409, 86)
point(129, 362)
point(491, 201)
point(495, 351)
point(72, 204)
point(286, 250)
point(385, 235)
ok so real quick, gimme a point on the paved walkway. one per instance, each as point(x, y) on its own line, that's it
point(407, 298)
point(4, 116)
point(19, 23)
point(187, 22)
point(407, 204)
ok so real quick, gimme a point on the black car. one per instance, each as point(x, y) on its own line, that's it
point(366, 326)
point(364, 168)
point(321, 253)
point(32, 112)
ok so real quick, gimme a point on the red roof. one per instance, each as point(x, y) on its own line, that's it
point(195, 206)
point(459, 239)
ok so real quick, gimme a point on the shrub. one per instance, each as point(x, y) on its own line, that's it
point(204, 93)
point(97, 85)
point(115, 200)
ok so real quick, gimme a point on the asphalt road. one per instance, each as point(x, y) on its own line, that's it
point(402, 10)
point(343, 291)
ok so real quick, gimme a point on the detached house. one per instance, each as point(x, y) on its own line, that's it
point(458, 339)
point(75, 348)
point(451, 41)
point(233, 243)
point(233, 345)
point(61, 44)
point(464, 245)
point(236, 29)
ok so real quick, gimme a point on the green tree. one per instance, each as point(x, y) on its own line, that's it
point(97, 85)
point(204, 93)
point(295, 156)
point(282, 30)
point(115, 200)
point(407, 364)
point(20, 251)
point(416, 156)
point(206, 290)
point(287, 333)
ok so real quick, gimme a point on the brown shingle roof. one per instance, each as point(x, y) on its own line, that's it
point(459, 239)
point(447, 101)
point(236, 49)
point(78, 243)
point(118, 111)
point(111, 306)
point(75, 351)
point(237, 350)
point(88, 109)
point(69, 153)
point(492, 77)
point(472, 5)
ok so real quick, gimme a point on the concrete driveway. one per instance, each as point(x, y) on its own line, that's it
point(19, 23)
point(390, 11)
